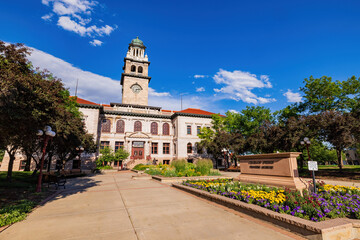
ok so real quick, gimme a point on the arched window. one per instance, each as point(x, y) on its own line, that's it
point(105, 125)
point(166, 129)
point(137, 126)
point(120, 126)
point(133, 68)
point(140, 69)
point(154, 128)
point(189, 148)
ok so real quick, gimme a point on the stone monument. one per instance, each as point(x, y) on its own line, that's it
point(274, 169)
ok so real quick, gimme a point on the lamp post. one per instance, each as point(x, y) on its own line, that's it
point(307, 143)
point(48, 134)
point(80, 149)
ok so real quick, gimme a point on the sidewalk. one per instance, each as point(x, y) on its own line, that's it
point(114, 206)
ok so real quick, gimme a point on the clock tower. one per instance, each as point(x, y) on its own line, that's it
point(135, 79)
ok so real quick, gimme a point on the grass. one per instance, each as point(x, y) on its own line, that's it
point(18, 198)
point(349, 172)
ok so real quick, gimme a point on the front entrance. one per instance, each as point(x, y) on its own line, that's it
point(137, 151)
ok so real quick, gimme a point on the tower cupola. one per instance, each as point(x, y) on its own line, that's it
point(136, 50)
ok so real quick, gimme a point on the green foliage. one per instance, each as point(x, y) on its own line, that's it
point(121, 155)
point(320, 153)
point(203, 166)
point(31, 99)
point(2, 153)
point(106, 167)
point(179, 165)
point(108, 156)
point(16, 212)
point(181, 168)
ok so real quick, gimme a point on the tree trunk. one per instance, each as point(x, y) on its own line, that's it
point(28, 161)
point(340, 162)
point(49, 162)
point(11, 164)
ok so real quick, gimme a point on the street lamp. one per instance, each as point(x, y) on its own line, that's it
point(79, 149)
point(307, 143)
point(48, 134)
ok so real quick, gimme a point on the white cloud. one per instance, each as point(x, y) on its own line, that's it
point(238, 85)
point(74, 16)
point(96, 42)
point(101, 89)
point(200, 89)
point(71, 25)
point(91, 86)
point(233, 111)
point(47, 17)
point(200, 76)
point(292, 97)
point(152, 92)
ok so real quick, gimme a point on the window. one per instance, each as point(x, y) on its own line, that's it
point(105, 126)
point(166, 148)
point(189, 148)
point(166, 129)
point(140, 69)
point(120, 126)
point(167, 162)
point(104, 144)
point(154, 128)
point(133, 68)
point(119, 145)
point(198, 129)
point(174, 148)
point(22, 165)
point(154, 148)
point(137, 126)
point(188, 129)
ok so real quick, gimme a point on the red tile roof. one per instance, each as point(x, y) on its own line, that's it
point(196, 111)
point(188, 110)
point(83, 101)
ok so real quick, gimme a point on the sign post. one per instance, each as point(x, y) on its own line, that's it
point(313, 166)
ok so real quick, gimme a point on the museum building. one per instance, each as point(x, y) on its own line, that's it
point(148, 133)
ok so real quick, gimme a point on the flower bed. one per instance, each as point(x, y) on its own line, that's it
point(181, 168)
point(330, 202)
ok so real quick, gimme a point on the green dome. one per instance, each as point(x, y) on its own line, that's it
point(137, 42)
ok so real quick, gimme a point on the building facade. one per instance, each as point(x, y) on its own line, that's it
point(148, 133)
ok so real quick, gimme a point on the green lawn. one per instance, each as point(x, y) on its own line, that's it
point(349, 172)
point(18, 198)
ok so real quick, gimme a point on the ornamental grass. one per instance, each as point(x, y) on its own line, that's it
point(330, 202)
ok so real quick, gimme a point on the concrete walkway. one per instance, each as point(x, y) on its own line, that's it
point(114, 206)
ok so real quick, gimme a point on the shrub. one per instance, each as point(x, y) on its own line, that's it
point(203, 166)
point(15, 213)
point(153, 171)
point(180, 165)
point(106, 167)
point(141, 167)
point(169, 172)
point(214, 172)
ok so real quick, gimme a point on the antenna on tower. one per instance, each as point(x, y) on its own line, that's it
point(181, 94)
point(77, 81)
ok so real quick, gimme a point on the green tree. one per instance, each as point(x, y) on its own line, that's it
point(120, 155)
point(340, 130)
point(28, 100)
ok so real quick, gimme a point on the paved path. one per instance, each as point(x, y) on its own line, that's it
point(114, 206)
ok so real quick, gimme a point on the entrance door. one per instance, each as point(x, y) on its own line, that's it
point(137, 151)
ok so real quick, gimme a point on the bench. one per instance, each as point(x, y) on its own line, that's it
point(58, 181)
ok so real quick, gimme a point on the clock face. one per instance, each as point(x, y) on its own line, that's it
point(136, 88)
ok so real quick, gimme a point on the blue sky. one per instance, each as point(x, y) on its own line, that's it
point(221, 55)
